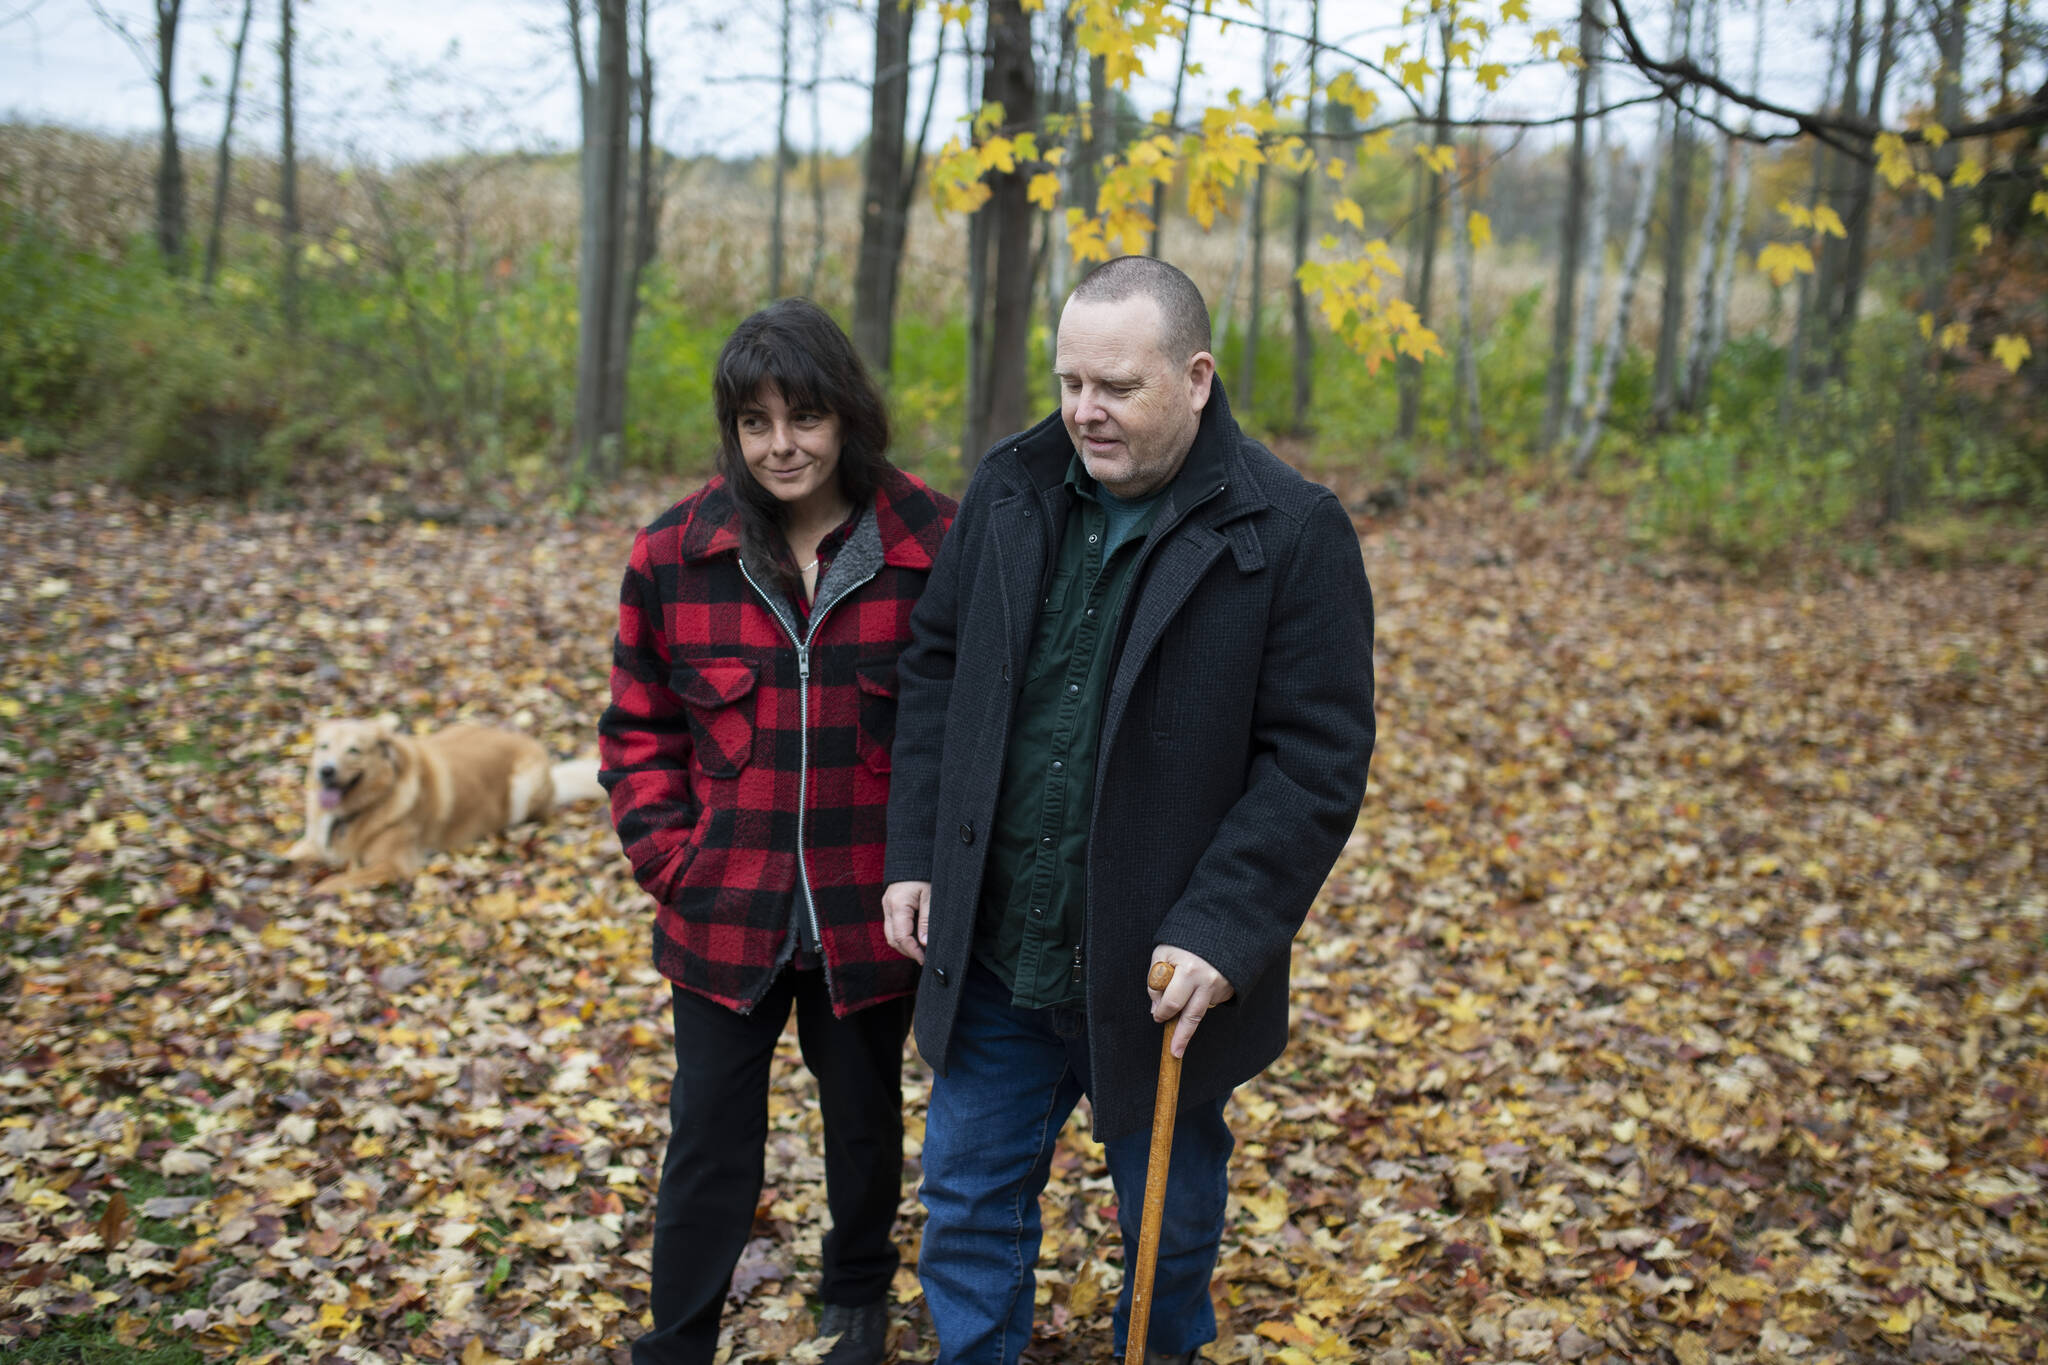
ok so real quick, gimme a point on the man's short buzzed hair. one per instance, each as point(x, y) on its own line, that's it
point(1184, 317)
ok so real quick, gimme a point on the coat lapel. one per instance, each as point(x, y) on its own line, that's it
point(1177, 566)
point(1020, 550)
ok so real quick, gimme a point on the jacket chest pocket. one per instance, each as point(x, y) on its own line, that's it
point(719, 696)
point(877, 730)
point(1041, 659)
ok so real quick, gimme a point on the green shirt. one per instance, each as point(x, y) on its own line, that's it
point(1028, 930)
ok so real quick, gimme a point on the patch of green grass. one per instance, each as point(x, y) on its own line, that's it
point(89, 1340)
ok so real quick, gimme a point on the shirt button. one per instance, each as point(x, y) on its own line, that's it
point(1091, 611)
point(1072, 688)
point(1058, 766)
point(1092, 537)
point(1047, 841)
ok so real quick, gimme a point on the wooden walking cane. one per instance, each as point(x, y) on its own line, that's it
point(1163, 1106)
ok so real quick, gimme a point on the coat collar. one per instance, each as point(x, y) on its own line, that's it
point(907, 515)
point(1215, 465)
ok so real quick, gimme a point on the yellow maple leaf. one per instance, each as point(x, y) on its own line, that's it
point(1514, 9)
point(1800, 216)
point(1460, 50)
point(2039, 203)
point(1932, 184)
point(1334, 168)
point(1955, 336)
point(1044, 190)
point(2011, 351)
point(997, 154)
point(1438, 158)
point(1980, 236)
point(1392, 56)
point(1546, 39)
point(1782, 260)
point(1969, 172)
point(1828, 222)
point(1491, 75)
point(1935, 134)
point(1479, 228)
point(1415, 74)
point(1346, 210)
point(1894, 163)
point(1927, 326)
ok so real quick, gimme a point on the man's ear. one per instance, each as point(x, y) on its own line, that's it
point(1201, 371)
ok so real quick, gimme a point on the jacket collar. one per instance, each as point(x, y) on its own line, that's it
point(1214, 466)
point(906, 515)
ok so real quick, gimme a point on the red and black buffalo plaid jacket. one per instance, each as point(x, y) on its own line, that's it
point(722, 761)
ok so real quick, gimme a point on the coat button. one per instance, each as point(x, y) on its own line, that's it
point(967, 833)
point(1006, 672)
point(940, 972)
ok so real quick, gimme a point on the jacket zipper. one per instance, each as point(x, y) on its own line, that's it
point(803, 776)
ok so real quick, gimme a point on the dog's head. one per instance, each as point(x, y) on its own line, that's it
point(354, 762)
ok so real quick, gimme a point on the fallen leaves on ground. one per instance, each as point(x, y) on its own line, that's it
point(1680, 996)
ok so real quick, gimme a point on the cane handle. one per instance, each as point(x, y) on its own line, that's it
point(1161, 976)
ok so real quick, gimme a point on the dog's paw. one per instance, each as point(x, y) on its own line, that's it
point(304, 851)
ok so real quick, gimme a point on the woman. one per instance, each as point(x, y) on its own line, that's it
point(746, 751)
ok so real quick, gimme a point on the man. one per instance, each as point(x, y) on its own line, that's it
point(1133, 726)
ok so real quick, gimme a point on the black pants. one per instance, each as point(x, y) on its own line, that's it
point(718, 1134)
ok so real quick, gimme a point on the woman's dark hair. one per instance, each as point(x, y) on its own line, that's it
point(796, 346)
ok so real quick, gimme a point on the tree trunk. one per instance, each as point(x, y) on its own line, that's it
point(1180, 77)
point(170, 166)
point(1571, 238)
point(1012, 82)
point(1465, 401)
point(1062, 100)
point(1677, 228)
point(605, 143)
point(882, 218)
point(1838, 182)
point(220, 161)
point(1692, 388)
point(1592, 245)
point(1410, 369)
point(776, 238)
point(1902, 473)
point(288, 174)
point(1862, 189)
point(1248, 384)
point(637, 236)
point(1738, 213)
point(817, 151)
point(1304, 197)
point(1631, 274)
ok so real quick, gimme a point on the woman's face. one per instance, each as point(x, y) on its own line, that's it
point(791, 452)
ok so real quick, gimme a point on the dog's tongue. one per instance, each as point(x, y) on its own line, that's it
point(330, 797)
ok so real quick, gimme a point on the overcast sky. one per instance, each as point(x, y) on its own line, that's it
point(398, 78)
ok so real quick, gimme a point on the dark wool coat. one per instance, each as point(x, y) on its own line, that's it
point(1235, 738)
point(703, 748)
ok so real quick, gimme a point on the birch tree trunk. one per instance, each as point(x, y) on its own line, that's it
point(1631, 274)
point(221, 157)
point(1571, 239)
point(1304, 197)
point(882, 216)
point(1738, 215)
point(288, 173)
point(1593, 245)
point(636, 233)
point(1806, 322)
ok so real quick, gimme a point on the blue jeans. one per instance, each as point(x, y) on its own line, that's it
point(1012, 1078)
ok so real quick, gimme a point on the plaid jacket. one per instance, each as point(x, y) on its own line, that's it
point(721, 762)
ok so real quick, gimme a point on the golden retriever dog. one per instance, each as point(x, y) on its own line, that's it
point(378, 801)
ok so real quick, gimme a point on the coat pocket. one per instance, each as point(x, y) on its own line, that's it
point(719, 696)
point(877, 714)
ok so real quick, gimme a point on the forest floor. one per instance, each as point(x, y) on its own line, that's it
point(1683, 995)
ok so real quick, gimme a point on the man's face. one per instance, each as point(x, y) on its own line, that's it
point(1131, 409)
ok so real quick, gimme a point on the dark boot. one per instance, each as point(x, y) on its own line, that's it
point(862, 1332)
